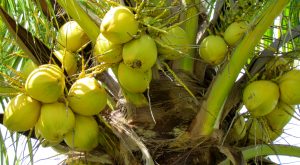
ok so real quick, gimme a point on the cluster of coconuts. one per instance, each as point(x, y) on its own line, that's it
point(123, 42)
point(213, 48)
point(271, 105)
point(55, 113)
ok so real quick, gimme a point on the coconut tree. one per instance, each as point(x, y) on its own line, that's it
point(150, 82)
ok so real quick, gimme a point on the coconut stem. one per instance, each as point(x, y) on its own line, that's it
point(82, 18)
point(207, 118)
point(190, 25)
point(264, 149)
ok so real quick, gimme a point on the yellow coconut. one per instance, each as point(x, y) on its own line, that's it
point(87, 97)
point(238, 130)
point(84, 137)
point(107, 52)
point(28, 67)
point(289, 85)
point(235, 32)
point(71, 36)
point(21, 113)
point(213, 49)
point(119, 25)
point(46, 83)
point(68, 61)
point(132, 80)
point(260, 97)
point(140, 53)
point(174, 44)
point(56, 120)
point(280, 116)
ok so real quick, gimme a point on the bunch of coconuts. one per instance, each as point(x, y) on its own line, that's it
point(271, 105)
point(56, 113)
point(126, 42)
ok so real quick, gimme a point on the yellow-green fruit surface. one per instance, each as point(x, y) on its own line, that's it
point(56, 120)
point(260, 97)
point(289, 85)
point(280, 116)
point(140, 53)
point(87, 97)
point(28, 67)
point(71, 36)
point(84, 137)
point(21, 113)
point(132, 80)
point(260, 132)
point(174, 44)
point(119, 25)
point(238, 130)
point(68, 61)
point(46, 83)
point(235, 32)
point(213, 49)
point(106, 51)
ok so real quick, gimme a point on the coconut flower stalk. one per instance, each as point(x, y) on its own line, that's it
point(207, 118)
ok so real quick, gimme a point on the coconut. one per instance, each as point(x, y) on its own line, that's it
point(235, 32)
point(280, 116)
point(107, 52)
point(132, 80)
point(55, 121)
point(213, 49)
point(84, 137)
point(257, 100)
point(46, 83)
point(238, 130)
point(87, 96)
point(28, 67)
point(174, 44)
point(140, 53)
point(21, 113)
point(68, 61)
point(289, 85)
point(260, 132)
point(119, 25)
point(71, 36)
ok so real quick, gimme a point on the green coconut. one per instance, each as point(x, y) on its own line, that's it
point(235, 32)
point(213, 49)
point(140, 53)
point(84, 137)
point(107, 52)
point(46, 83)
point(56, 120)
point(238, 130)
point(132, 80)
point(174, 44)
point(21, 113)
point(87, 97)
point(257, 100)
point(71, 36)
point(119, 25)
point(260, 132)
point(68, 60)
point(280, 116)
point(28, 67)
point(289, 85)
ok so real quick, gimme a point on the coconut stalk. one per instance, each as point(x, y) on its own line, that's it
point(207, 118)
point(190, 25)
point(264, 149)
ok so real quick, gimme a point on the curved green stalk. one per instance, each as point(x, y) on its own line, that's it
point(262, 150)
point(190, 25)
point(208, 117)
point(81, 17)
